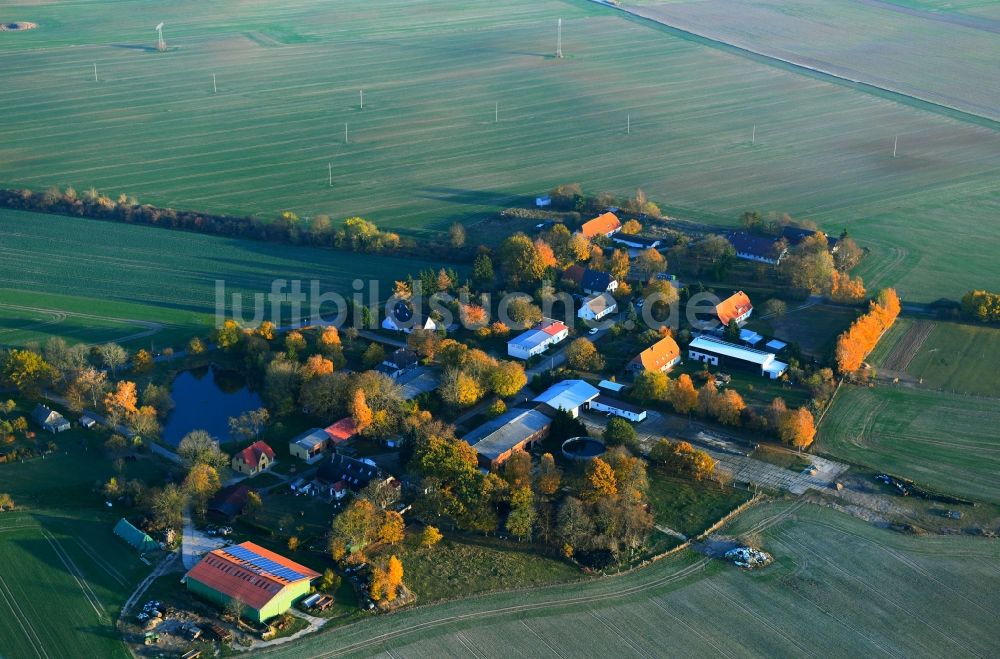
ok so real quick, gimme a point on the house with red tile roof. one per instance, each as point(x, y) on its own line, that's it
point(606, 224)
point(253, 459)
point(661, 356)
point(342, 431)
point(267, 583)
point(735, 307)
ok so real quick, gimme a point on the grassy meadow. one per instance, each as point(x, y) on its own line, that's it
point(837, 583)
point(426, 151)
point(151, 283)
point(960, 358)
point(945, 441)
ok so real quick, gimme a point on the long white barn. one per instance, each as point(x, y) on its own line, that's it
point(715, 351)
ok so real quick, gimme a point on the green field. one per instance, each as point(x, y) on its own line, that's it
point(937, 427)
point(837, 38)
point(465, 566)
point(839, 587)
point(36, 320)
point(65, 575)
point(959, 358)
point(138, 280)
point(425, 151)
point(944, 441)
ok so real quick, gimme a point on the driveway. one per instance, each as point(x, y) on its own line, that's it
point(195, 543)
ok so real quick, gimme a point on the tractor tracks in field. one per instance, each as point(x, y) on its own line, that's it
point(849, 576)
point(57, 316)
point(81, 581)
point(101, 563)
point(23, 621)
point(907, 346)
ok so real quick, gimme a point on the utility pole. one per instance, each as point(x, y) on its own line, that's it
point(559, 40)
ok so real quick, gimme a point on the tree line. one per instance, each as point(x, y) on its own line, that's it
point(355, 233)
point(794, 427)
point(854, 345)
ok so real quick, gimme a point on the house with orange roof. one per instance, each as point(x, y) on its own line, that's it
point(265, 582)
point(606, 224)
point(735, 307)
point(342, 431)
point(659, 357)
point(253, 459)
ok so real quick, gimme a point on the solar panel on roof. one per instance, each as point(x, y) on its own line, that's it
point(263, 564)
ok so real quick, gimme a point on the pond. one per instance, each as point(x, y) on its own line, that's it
point(204, 399)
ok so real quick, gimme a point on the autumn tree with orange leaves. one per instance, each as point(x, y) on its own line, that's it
point(473, 316)
point(797, 428)
point(727, 406)
point(546, 257)
point(361, 413)
point(682, 394)
point(121, 403)
point(330, 336)
point(601, 482)
point(845, 290)
point(861, 337)
point(316, 366)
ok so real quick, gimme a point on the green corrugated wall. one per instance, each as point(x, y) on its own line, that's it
point(278, 604)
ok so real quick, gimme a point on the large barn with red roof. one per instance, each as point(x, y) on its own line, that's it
point(267, 583)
